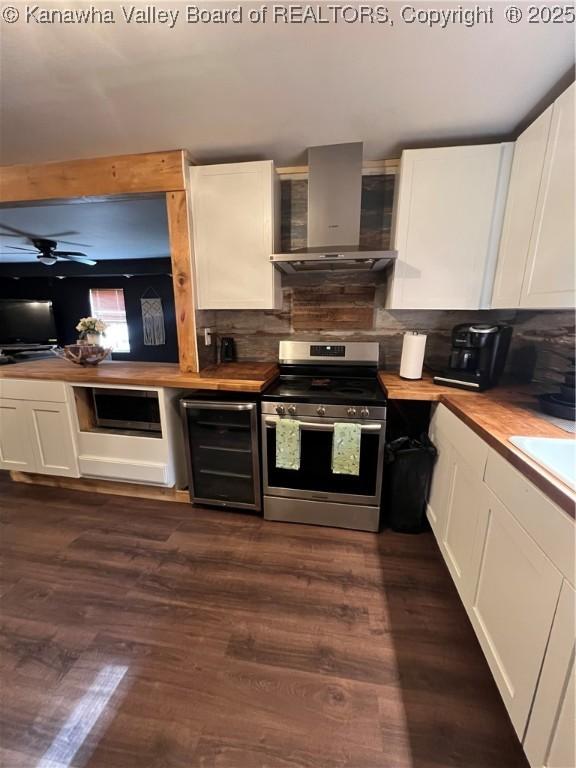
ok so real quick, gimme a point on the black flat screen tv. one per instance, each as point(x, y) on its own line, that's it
point(24, 321)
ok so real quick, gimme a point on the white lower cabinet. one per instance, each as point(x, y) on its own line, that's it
point(149, 459)
point(36, 436)
point(52, 439)
point(15, 444)
point(510, 551)
point(513, 609)
point(441, 483)
point(550, 741)
point(465, 527)
point(457, 508)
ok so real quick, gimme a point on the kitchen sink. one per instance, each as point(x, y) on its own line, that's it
point(556, 455)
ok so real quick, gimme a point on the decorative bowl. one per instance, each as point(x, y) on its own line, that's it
point(83, 354)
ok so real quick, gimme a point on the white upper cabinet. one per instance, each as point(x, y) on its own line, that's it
point(527, 165)
point(549, 276)
point(536, 256)
point(448, 222)
point(235, 221)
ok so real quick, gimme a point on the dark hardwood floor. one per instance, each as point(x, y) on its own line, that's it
point(142, 634)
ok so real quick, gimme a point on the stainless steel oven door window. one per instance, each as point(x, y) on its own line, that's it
point(315, 479)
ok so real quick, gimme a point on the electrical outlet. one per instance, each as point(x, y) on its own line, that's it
point(207, 337)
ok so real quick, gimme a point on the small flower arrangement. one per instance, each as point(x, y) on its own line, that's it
point(91, 330)
point(91, 325)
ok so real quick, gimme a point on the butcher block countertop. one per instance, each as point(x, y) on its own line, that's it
point(425, 389)
point(496, 416)
point(228, 377)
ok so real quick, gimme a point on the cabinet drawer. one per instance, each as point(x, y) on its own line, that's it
point(470, 447)
point(25, 389)
point(147, 473)
point(547, 524)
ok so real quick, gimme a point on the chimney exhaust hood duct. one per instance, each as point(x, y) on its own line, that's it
point(334, 202)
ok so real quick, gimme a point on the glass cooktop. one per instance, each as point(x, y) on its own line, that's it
point(321, 389)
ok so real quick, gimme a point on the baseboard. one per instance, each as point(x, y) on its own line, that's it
point(135, 490)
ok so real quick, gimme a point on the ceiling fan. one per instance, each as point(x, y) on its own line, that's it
point(46, 248)
point(46, 252)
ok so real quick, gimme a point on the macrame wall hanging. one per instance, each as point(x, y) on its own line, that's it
point(152, 319)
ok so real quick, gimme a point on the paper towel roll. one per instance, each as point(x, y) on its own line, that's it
point(412, 359)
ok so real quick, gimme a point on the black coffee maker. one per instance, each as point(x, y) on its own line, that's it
point(477, 357)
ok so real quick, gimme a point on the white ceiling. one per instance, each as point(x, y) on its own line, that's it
point(248, 91)
point(135, 229)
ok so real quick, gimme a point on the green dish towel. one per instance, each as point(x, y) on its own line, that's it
point(287, 444)
point(346, 449)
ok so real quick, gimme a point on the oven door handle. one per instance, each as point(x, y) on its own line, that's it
point(320, 426)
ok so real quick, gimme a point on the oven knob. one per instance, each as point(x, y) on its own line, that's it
point(351, 412)
point(280, 410)
point(364, 413)
point(292, 410)
point(321, 411)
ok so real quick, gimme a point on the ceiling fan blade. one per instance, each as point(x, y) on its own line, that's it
point(17, 232)
point(70, 256)
point(18, 248)
point(69, 242)
point(13, 232)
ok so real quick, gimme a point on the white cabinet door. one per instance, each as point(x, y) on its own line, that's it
point(562, 751)
point(465, 528)
point(441, 483)
point(52, 441)
point(16, 452)
point(550, 737)
point(549, 277)
point(448, 221)
point(513, 609)
point(234, 222)
point(529, 152)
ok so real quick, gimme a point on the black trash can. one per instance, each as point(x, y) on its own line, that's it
point(408, 469)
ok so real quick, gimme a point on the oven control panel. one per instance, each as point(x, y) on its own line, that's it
point(324, 411)
point(327, 350)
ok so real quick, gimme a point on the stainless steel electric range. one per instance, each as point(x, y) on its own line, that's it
point(321, 384)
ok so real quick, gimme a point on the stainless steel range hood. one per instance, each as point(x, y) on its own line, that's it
point(334, 200)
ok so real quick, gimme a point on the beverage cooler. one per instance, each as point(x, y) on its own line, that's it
point(222, 452)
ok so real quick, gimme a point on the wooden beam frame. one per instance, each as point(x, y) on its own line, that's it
point(102, 177)
point(99, 176)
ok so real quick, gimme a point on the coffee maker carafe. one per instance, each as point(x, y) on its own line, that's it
point(477, 356)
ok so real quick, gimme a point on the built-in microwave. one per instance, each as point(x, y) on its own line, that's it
point(127, 409)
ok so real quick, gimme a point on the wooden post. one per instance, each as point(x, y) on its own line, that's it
point(182, 278)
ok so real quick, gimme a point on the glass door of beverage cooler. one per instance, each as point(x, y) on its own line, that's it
point(222, 448)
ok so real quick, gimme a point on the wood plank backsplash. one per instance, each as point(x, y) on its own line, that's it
point(347, 307)
point(352, 307)
point(542, 343)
